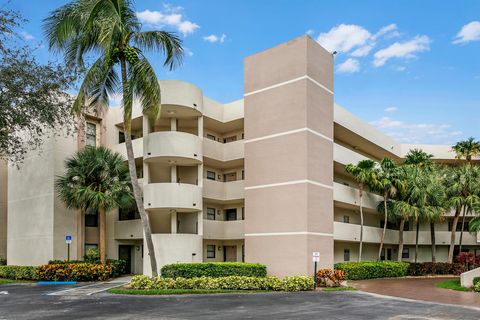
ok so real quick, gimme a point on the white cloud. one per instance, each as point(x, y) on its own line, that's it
point(390, 109)
point(214, 38)
point(172, 17)
point(469, 32)
point(417, 132)
point(404, 50)
point(390, 30)
point(310, 32)
point(344, 37)
point(27, 36)
point(363, 51)
point(349, 66)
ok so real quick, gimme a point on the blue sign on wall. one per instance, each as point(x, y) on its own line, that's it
point(68, 239)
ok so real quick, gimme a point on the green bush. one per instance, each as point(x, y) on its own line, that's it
point(18, 272)
point(92, 256)
point(296, 283)
point(213, 269)
point(372, 269)
point(476, 281)
point(3, 262)
point(476, 287)
point(74, 272)
point(117, 265)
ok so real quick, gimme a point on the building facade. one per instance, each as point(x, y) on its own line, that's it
point(260, 179)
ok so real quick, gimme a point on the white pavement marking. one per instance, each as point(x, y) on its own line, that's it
point(3, 292)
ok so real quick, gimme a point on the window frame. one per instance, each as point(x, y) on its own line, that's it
point(210, 214)
point(209, 252)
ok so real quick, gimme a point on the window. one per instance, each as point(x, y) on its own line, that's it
point(91, 218)
point(211, 137)
point(346, 219)
point(231, 214)
point(405, 253)
point(210, 251)
point(210, 175)
point(91, 134)
point(211, 213)
point(121, 137)
point(128, 214)
point(346, 254)
point(229, 139)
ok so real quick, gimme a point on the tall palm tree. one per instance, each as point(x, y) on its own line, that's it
point(111, 31)
point(387, 181)
point(363, 172)
point(95, 178)
point(467, 149)
point(418, 158)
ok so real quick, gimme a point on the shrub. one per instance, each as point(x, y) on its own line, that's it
point(427, 268)
point(3, 262)
point(476, 287)
point(74, 272)
point(372, 269)
point(213, 269)
point(297, 283)
point(118, 266)
point(330, 278)
point(18, 272)
point(476, 281)
point(92, 256)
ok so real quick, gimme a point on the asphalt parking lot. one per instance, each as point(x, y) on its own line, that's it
point(29, 301)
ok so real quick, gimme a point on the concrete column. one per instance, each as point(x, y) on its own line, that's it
point(173, 173)
point(173, 124)
point(200, 223)
point(174, 221)
point(289, 157)
point(200, 127)
point(200, 175)
point(146, 125)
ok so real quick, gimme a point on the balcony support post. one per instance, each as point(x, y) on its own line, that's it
point(174, 221)
point(173, 124)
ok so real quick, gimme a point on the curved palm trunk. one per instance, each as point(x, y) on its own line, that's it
point(432, 238)
point(463, 227)
point(452, 237)
point(360, 247)
point(416, 240)
point(384, 227)
point(400, 240)
point(102, 234)
point(137, 192)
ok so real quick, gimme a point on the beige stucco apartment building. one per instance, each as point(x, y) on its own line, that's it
point(260, 179)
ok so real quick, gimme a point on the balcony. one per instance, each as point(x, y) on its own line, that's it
point(345, 156)
point(181, 98)
point(349, 195)
point(224, 191)
point(351, 232)
point(223, 151)
point(137, 145)
point(167, 146)
point(187, 197)
point(223, 230)
point(128, 229)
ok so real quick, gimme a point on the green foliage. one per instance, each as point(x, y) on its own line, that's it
point(74, 272)
point(118, 266)
point(466, 149)
point(172, 291)
point(18, 272)
point(295, 283)
point(3, 262)
point(476, 281)
point(476, 287)
point(92, 256)
point(430, 268)
point(213, 269)
point(452, 284)
point(372, 269)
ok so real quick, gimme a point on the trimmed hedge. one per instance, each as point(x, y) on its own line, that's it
point(372, 269)
point(75, 272)
point(430, 268)
point(18, 272)
point(213, 269)
point(118, 266)
point(297, 283)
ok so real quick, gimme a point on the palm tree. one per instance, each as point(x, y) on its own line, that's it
point(467, 149)
point(110, 30)
point(363, 172)
point(418, 158)
point(386, 182)
point(95, 178)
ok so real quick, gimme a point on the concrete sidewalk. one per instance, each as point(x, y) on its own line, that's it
point(418, 289)
point(92, 288)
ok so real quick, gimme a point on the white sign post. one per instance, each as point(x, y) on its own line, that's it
point(315, 259)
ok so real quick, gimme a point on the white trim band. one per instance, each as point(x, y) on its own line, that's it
point(289, 183)
point(268, 234)
point(270, 136)
point(288, 82)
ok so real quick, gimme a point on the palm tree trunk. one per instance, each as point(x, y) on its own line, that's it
point(384, 227)
point(463, 226)
point(137, 193)
point(102, 231)
point(360, 247)
point(432, 237)
point(416, 240)
point(452, 237)
point(400, 240)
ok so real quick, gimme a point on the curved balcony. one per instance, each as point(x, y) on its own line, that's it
point(181, 99)
point(173, 146)
point(187, 197)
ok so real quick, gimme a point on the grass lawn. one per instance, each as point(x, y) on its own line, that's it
point(122, 290)
point(5, 281)
point(339, 289)
point(451, 284)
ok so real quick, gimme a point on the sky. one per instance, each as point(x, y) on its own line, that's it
point(410, 68)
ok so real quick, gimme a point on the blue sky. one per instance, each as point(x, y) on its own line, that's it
point(411, 68)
